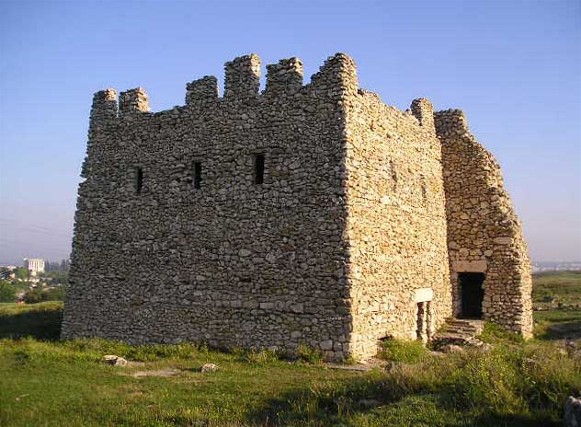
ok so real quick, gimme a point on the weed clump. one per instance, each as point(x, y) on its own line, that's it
point(308, 354)
point(261, 357)
point(494, 333)
point(403, 351)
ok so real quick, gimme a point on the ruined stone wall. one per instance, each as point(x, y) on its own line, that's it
point(232, 263)
point(484, 234)
point(396, 222)
point(341, 241)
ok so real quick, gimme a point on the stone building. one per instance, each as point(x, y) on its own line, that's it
point(34, 266)
point(301, 215)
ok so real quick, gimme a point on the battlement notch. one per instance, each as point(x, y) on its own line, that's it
point(242, 77)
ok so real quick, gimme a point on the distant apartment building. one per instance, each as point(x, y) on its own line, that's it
point(34, 265)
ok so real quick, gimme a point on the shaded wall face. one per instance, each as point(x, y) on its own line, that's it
point(231, 263)
point(484, 234)
point(397, 224)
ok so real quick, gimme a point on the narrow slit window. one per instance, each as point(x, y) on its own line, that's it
point(258, 169)
point(138, 180)
point(197, 175)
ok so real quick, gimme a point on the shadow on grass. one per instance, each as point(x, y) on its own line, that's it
point(564, 330)
point(383, 402)
point(42, 323)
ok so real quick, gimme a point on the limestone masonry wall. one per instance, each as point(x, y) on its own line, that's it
point(304, 215)
point(484, 234)
point(232, 263)
point(396, 222)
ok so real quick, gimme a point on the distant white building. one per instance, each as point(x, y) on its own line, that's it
point(34, 265)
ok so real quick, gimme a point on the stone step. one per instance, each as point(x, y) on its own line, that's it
point(460, 331)
point(466, 322)
point(455, 331)
point(464, 328)
point(452, 336)
point(475, 325)
point(468, 327)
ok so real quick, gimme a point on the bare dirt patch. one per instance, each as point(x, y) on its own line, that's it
point(164, 373)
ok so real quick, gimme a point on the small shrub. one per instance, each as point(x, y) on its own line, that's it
point(261, 356)
point(494, 333)
point(7, 292)
point(237, 352)
point(403, 351)
point(34, 296)
point(488, 380)
point(547, 375)
point(308, 354)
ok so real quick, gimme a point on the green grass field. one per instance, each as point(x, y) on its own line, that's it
point(45, 382)
point(558, 295)
point(550, 289)
point(41, 321)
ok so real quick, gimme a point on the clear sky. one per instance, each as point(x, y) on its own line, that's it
point(513, 66)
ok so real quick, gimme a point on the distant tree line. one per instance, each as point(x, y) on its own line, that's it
point(17, 284)
point(9, 291)
point(37, 295)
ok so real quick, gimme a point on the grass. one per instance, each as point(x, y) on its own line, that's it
point(558, 296)
point(65, 383)
point(53, 383)
point(552, 288)
point(403, 351)
point(41, 320)
point(60, 381)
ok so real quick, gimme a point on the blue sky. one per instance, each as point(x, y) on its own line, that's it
point(513, 66)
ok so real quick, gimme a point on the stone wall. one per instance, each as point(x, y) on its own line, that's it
point(396, 222)
point(484, 234)
point(232, 263)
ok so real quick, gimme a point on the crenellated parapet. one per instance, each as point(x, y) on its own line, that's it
point(338, 75)
point(104, 106)
point(104, 111)
point(202, 91)
point(134, 100)
point(450, 123)
point(423, 110)
point(335, 78)
point(284, 77)
point(242, 79)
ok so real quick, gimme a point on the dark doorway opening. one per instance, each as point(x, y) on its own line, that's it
point(423, 321)
point(420, 321)
point(471, 294)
